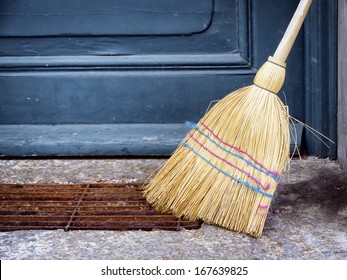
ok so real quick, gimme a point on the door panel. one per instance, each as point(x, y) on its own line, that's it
point(106, 17)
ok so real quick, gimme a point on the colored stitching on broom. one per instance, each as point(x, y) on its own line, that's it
point(229, 163)
point(270, 173)
point(256, 189)
point(262, 209)
point(275, 173)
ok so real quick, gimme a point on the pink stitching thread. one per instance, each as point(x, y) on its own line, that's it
point(261, 209)
point(275, 173)
point(229, 163)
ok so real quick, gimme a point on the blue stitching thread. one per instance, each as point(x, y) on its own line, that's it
point(256, 189)
point(193, 125)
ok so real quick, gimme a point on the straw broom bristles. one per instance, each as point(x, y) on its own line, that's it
point(194, 183)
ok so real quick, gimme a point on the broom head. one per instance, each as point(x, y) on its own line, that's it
point(228, 167)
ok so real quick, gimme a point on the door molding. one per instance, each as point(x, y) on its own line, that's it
point(321, 76)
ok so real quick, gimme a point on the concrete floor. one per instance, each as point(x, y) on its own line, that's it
point(307, 221)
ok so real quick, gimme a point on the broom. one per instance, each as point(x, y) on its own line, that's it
point(228, 167)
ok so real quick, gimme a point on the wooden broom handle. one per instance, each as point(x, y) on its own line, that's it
point(292, 31)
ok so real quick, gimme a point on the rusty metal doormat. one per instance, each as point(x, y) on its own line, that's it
point(81, 207)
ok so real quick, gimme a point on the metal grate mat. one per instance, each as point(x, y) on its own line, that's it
point(81, 207)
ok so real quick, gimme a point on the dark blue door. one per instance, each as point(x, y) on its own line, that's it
point(83, 77)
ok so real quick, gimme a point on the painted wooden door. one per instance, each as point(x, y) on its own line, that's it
point(83, 77)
